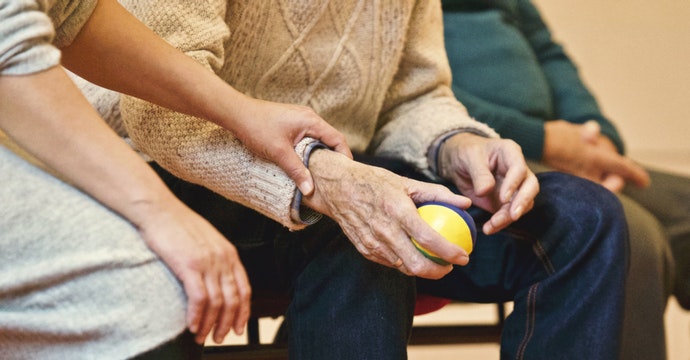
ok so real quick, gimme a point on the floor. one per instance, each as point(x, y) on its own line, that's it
point(677, 319)
point(677, 333)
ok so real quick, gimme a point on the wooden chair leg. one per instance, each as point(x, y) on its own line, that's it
point(421, 335)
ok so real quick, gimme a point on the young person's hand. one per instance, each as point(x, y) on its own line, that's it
point(153, 70)
point(276, 130)
point(205, 262)
point(49, 118)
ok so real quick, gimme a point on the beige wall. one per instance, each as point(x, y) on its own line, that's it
point(635, 56)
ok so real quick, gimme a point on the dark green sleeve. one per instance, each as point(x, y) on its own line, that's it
point(572, 100)
point(523, 129)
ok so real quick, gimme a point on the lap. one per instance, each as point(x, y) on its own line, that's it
point(76, 275)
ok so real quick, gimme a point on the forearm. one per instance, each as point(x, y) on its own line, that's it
point(58, 126)
point(202, 153)
point(573, 101)
point(420, 106)
point(528, 131)
point(133, 60)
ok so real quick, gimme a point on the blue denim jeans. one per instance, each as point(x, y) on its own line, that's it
point(342, 306)
point(563, 264)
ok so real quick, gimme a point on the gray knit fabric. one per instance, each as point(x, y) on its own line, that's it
point(76, 280)
point(28, 38)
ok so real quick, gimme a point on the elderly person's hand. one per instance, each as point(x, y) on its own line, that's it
point(376, 210)
point(493, 173)
point(581, 150)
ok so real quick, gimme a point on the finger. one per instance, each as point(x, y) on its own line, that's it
point(295, 170)
point(244, 292)
point(613, 183)
point(196, 300)
point(483, 181)
point(637, 175)
point(498, 221)
point(432, 241)
point(421, 192)
point(215, 301)
point(590, 131)
point(516, 174)
point(626, 168)
point(331, 137)
point(388, 245)
point(228, 310)
point(524, 197)
point(370, 246)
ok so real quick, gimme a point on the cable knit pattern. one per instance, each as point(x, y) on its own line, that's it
point(376, 70)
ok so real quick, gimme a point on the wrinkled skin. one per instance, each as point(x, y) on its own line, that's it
point(376, 208)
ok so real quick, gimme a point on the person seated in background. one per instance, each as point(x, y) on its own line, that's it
point(377, 71)
point(101, 260)
point(510, 73)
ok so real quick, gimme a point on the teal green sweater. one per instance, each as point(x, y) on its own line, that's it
point(509, 72)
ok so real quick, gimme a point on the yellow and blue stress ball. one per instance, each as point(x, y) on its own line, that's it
point(454, 224)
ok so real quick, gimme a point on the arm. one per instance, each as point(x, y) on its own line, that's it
point(572, 100)
point(420, 106)
point(150, 69)
point(525, 130)
point(593, 151)
point(201, 151)
point(94, 159)
point(43, 112)
point(492, 172)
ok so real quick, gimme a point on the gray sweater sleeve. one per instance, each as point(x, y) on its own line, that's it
point(28, 39)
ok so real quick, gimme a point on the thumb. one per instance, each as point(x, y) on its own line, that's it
point(295, 170)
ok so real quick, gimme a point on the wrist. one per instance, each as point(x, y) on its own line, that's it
point(302, 209)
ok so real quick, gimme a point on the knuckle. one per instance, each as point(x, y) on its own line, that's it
point(215, 300)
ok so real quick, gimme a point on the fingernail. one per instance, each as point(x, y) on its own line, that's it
point(518, 212)
point(507, 196)
point(306, 188)
point(464, 259)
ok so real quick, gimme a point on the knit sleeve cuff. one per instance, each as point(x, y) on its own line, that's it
point(435, 148)
point(299, 213)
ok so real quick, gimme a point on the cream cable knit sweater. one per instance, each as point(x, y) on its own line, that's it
point(376, 70)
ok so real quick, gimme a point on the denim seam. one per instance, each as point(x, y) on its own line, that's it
point(543, 257)
point(532, 298)
point(531, 320)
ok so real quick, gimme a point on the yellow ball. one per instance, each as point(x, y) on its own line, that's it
point(453, 223)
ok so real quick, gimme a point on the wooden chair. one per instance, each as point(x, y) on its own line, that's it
point(274, 307)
